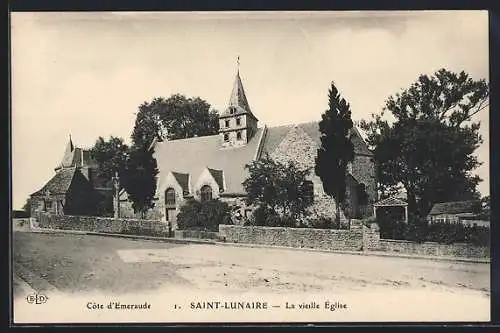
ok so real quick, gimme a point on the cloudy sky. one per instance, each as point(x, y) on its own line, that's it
point(86, 73)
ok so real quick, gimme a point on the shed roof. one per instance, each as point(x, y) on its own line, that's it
point(391, 202)
point(456, 207)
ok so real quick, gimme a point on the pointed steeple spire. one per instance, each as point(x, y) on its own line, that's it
point(238, 98)
point(67, 159)
point(71, 143)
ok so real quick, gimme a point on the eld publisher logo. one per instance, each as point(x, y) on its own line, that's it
point(36, 298)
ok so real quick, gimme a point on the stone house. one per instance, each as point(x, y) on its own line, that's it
point(211, 167)
point(75, 189)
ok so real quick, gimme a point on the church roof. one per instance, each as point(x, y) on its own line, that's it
point(59, 184)
point(274, 136)
point(193, 155)
point(238, 102)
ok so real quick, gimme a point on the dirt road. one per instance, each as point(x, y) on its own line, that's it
point(82, 264)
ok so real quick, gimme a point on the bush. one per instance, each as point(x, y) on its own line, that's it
point(418, 230)
point(324, 223)
point(266, 217)
point(203, 215)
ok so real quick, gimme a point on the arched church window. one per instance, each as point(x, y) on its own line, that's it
point(226, 137)
point(238, 121)
point(227, 123)
point(170, 197)
point(206, 193)
point(238, 135)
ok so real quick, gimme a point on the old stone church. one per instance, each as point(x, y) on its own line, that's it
point(210, 167)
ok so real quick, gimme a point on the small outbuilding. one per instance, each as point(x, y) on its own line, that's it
point(392, 206)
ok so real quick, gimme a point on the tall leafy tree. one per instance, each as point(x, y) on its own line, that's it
point(140, 180)
point(336, 150)
point(176, 117)
point(280, 187)
point(111, 156)
point(428, 146)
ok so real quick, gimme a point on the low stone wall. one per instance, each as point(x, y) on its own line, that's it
point(457, 250)
point(197, 234)
point(20, 224)
point(103, 224)
point(322, 239)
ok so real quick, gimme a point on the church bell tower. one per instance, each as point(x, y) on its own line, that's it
point(237, 124)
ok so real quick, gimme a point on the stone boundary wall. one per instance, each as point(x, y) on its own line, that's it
point(20, 224)
point(457, 250)
point(103, 224)
point(358, 238)
point(322, 239)
point(197, 234)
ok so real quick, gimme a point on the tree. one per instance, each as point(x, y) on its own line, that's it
point(206, 215)
point(430, 144)
point(172, 118)
point(336, 150)
point(140, 180)
point(176, 117)
point(485, 207)
point(111, 156)
point(281, 188)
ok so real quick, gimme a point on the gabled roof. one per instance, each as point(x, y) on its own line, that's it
point(456, 207)
point(391, 202)
point(183, 180)
point(191, 156)
point(59, 184)
point(218, 176)
point(238, 102)
point(276, 134)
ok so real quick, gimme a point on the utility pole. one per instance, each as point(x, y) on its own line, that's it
point(116, 196)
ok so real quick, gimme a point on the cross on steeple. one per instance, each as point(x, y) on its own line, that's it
point(238, 64)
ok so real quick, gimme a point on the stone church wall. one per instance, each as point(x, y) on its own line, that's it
point(363, 169)
point(297, 146)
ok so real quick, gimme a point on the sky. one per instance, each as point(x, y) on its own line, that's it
point(86, 73)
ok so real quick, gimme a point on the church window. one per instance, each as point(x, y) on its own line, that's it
point(227, 123)
point(238, 121)
point(308, 187)
point(238, 135)
point(170, 197)
point(206, 193)
point(226, 137)
point(48, 205)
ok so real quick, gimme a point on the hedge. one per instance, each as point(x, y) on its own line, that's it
point(419, 230)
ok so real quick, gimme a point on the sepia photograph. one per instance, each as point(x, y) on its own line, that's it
point(250, 167)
